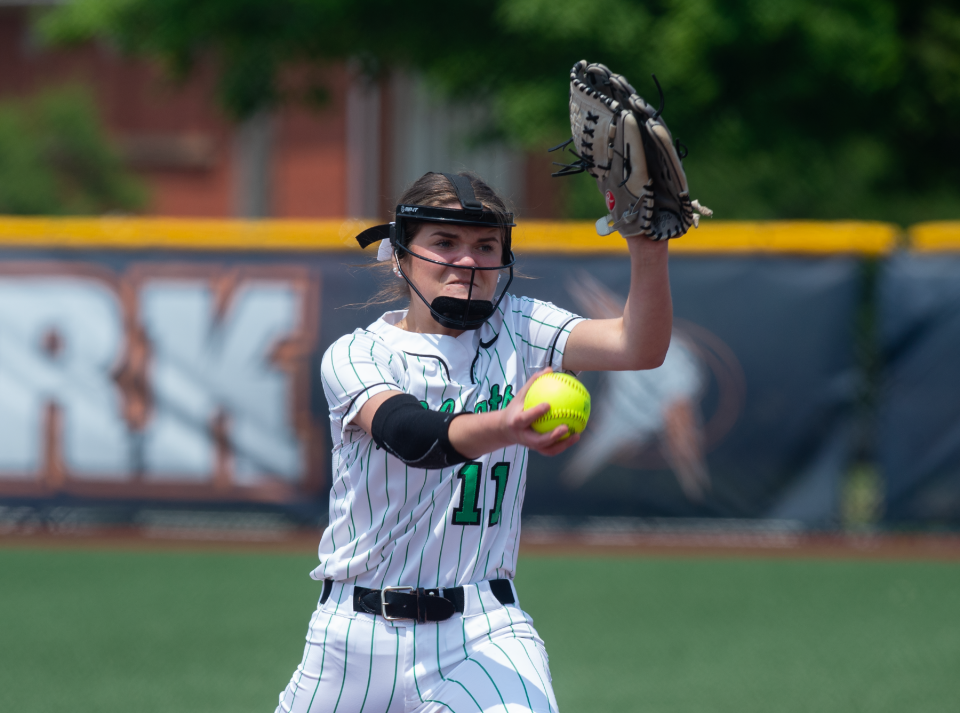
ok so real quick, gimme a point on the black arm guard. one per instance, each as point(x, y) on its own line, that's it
point(415, 435)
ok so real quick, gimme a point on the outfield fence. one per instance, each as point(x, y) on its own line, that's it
point(159, 364)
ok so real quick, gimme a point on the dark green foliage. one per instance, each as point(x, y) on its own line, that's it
point(791, 109)
point(56, 160)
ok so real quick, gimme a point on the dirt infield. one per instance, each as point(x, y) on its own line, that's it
point(882, 546)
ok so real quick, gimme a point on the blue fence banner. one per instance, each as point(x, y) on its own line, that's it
point(919, 415)
point(191, 378)
point(749, 416)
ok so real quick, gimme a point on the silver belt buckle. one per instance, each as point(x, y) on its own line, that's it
point(383, 602)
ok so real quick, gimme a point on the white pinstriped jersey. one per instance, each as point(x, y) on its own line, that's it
point(391, 524)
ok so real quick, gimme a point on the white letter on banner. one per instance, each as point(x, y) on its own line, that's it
point(60, 338)
point(203, 364)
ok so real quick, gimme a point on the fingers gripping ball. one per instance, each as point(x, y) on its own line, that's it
point(569, 403)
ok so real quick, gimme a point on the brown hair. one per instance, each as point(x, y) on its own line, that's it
point(433, 189)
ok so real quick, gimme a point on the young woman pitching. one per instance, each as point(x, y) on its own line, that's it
point(430, 444)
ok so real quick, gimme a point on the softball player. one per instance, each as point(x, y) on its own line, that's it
point(418, 610)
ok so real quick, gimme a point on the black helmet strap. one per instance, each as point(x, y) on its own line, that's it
point(464, 190)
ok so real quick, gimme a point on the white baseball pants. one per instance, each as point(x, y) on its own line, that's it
point(490, 658)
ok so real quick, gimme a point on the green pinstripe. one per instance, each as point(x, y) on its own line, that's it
point(323, 659)
point(369, 503)
point(386, 490)
point(350, 359)
point(373, 631)
point(334, 369)
point(522, 682)
point(407, 553)
point(533, 302)
point(516, 541)
point(423, 550)
point(374, 361)
point(306, 655)
point(536, 346)
point(353, 526)
point(467, 657)
point(516, 494)
point(465, 690)
point(512, 664)
point(445, 384)
point(513, 344)
point(463, 625)
point(439, 670)
point(484, 527)
point(443, 537)
point(551, 326)
point(417, 683)
point(390, 534)
point(396, 668)
point(533, 665)
point(339, 461)
point(460, 553)
point(502, 371)
point(346, 653)
point(486, 379)
point(495, 687)
point(426, 384)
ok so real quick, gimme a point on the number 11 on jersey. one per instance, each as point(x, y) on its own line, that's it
point(468, 512)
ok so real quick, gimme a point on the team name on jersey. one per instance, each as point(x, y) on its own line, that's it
point(496, 402)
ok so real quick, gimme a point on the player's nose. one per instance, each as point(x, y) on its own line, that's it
point(465, 259)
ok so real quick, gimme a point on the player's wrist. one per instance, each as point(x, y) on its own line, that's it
point(503, 433)
point(475, 434)
point(645, 245)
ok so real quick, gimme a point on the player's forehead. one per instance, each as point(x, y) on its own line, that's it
point(467, 233)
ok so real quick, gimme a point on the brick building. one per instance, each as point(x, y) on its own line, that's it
point(351, 156)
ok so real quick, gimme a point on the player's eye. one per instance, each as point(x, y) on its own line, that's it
point(444, 243)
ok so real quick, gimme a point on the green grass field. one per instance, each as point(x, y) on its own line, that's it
point(121, 631)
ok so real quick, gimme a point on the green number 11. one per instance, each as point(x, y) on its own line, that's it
point(468, 512)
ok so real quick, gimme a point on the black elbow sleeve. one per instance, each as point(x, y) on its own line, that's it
point(417, 436)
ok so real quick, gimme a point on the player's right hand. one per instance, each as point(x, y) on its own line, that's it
point(516, 424)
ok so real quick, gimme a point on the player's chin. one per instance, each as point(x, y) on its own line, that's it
point(460, 291)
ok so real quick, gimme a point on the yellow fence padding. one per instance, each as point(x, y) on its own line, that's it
point(935, 237)
point(797, 237)
point(180, 233)
point(560, 237)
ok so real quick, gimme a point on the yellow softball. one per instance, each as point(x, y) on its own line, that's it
point(569, 403)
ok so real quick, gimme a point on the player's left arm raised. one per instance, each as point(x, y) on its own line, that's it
point(640, 338)
point(638, 169)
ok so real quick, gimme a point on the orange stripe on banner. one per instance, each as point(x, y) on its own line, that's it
point(935, 237)
point(530, 237)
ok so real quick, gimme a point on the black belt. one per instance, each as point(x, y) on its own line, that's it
point(419, 604)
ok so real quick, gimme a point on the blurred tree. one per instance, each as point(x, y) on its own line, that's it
point(791, 108)
point(55, 158)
